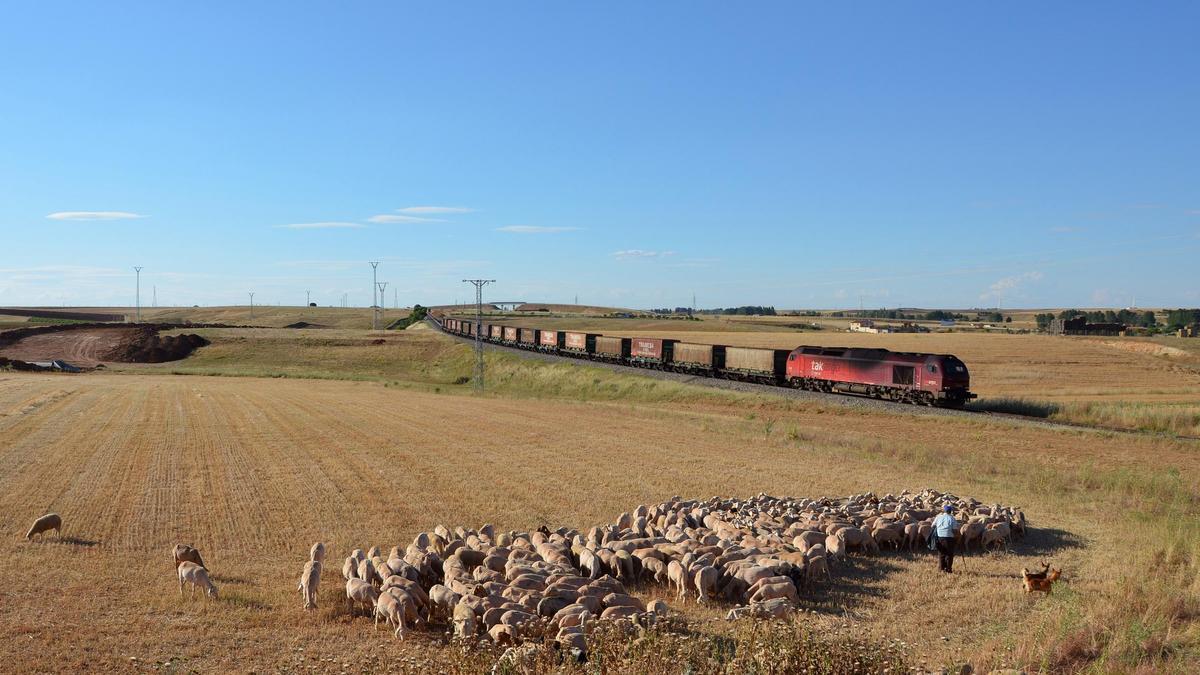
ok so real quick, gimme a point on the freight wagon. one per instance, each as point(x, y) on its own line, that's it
point(527, 338)
point(688, 357)
point(651, 352)
point(496, 333)
point(615, 349)
point(510, 335)
point(550, 340)
point(579, 344)
point(767, 366)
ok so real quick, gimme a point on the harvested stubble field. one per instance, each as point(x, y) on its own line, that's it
point(1132, 384)
point(254, 470)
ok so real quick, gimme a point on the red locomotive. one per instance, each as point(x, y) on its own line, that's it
point(929, 379)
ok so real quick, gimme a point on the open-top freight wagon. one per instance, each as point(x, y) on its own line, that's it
point(926, 379)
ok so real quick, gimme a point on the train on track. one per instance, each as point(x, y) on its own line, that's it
point(922, 379)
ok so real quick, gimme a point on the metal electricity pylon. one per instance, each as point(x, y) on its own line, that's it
point(479, 284)
point(374, 284)
point(382, 285)
point(138, 302)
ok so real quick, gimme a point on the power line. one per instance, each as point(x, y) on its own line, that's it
point(478, 284)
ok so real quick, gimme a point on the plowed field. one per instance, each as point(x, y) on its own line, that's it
point(85, 348)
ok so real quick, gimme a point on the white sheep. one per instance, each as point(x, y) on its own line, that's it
point(197, 576)
point(310, 580)
point(50, 521)
point(317, 553)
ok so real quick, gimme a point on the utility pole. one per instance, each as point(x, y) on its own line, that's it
point(478, 284)
point(251, 305)
point(382, 285)
point(154, 301)
point(307, 298)
point(374, 283)
point(138, 302)
point(395, 298)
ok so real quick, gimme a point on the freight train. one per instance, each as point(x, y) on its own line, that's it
point(922, 379)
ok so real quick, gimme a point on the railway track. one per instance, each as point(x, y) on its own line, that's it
point(844, 400)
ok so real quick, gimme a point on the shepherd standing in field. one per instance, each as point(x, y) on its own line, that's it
point(944, 529)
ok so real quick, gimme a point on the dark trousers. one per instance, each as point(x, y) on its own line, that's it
point(945, 547)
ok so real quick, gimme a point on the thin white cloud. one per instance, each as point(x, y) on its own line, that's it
point(534, 229)
point(93, 215)
point(320, 226)
point(434, 209)
point(1005, 286)
point(640, 254)
point(390, 218)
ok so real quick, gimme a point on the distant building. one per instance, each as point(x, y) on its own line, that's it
point(1079, 326)
point(863, 326)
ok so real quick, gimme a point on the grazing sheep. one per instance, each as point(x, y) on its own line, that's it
point(442, 601)
point(184, 553)
point(779, 608)
point(783, 589)
point(992, 539)
point(464, 619)
point(317, 553)
point(818, 567)
point(361, 593)
point(350, 568)
point(390, 608)
point(50, 521)
point(705, 581)
point(310, 580)
point(970, 532)
point(367, 572)
point(677, 576)
point(197, 576)
point(572, 640)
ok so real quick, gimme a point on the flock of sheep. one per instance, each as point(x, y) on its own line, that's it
point(759, 554)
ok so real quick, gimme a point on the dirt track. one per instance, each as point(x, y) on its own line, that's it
point(84, 348)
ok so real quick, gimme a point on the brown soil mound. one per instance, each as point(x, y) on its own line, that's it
point(157, 349)
point(305, 324)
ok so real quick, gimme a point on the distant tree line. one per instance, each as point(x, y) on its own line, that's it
point(1140, 319)
point(935, 315)
point(745, 310)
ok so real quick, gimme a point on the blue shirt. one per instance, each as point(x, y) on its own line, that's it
point(945, 525)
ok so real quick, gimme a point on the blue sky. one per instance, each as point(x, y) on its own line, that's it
point(794, 154)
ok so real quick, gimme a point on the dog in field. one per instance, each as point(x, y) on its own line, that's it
point(1026, 574)
point(1039, 582)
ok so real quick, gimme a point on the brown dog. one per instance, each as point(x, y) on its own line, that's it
point(1036, 575)
point(1032, 583)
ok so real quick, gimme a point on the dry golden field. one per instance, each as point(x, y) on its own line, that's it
point(1122, 383)
point(263, 315)
point(254, 470)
